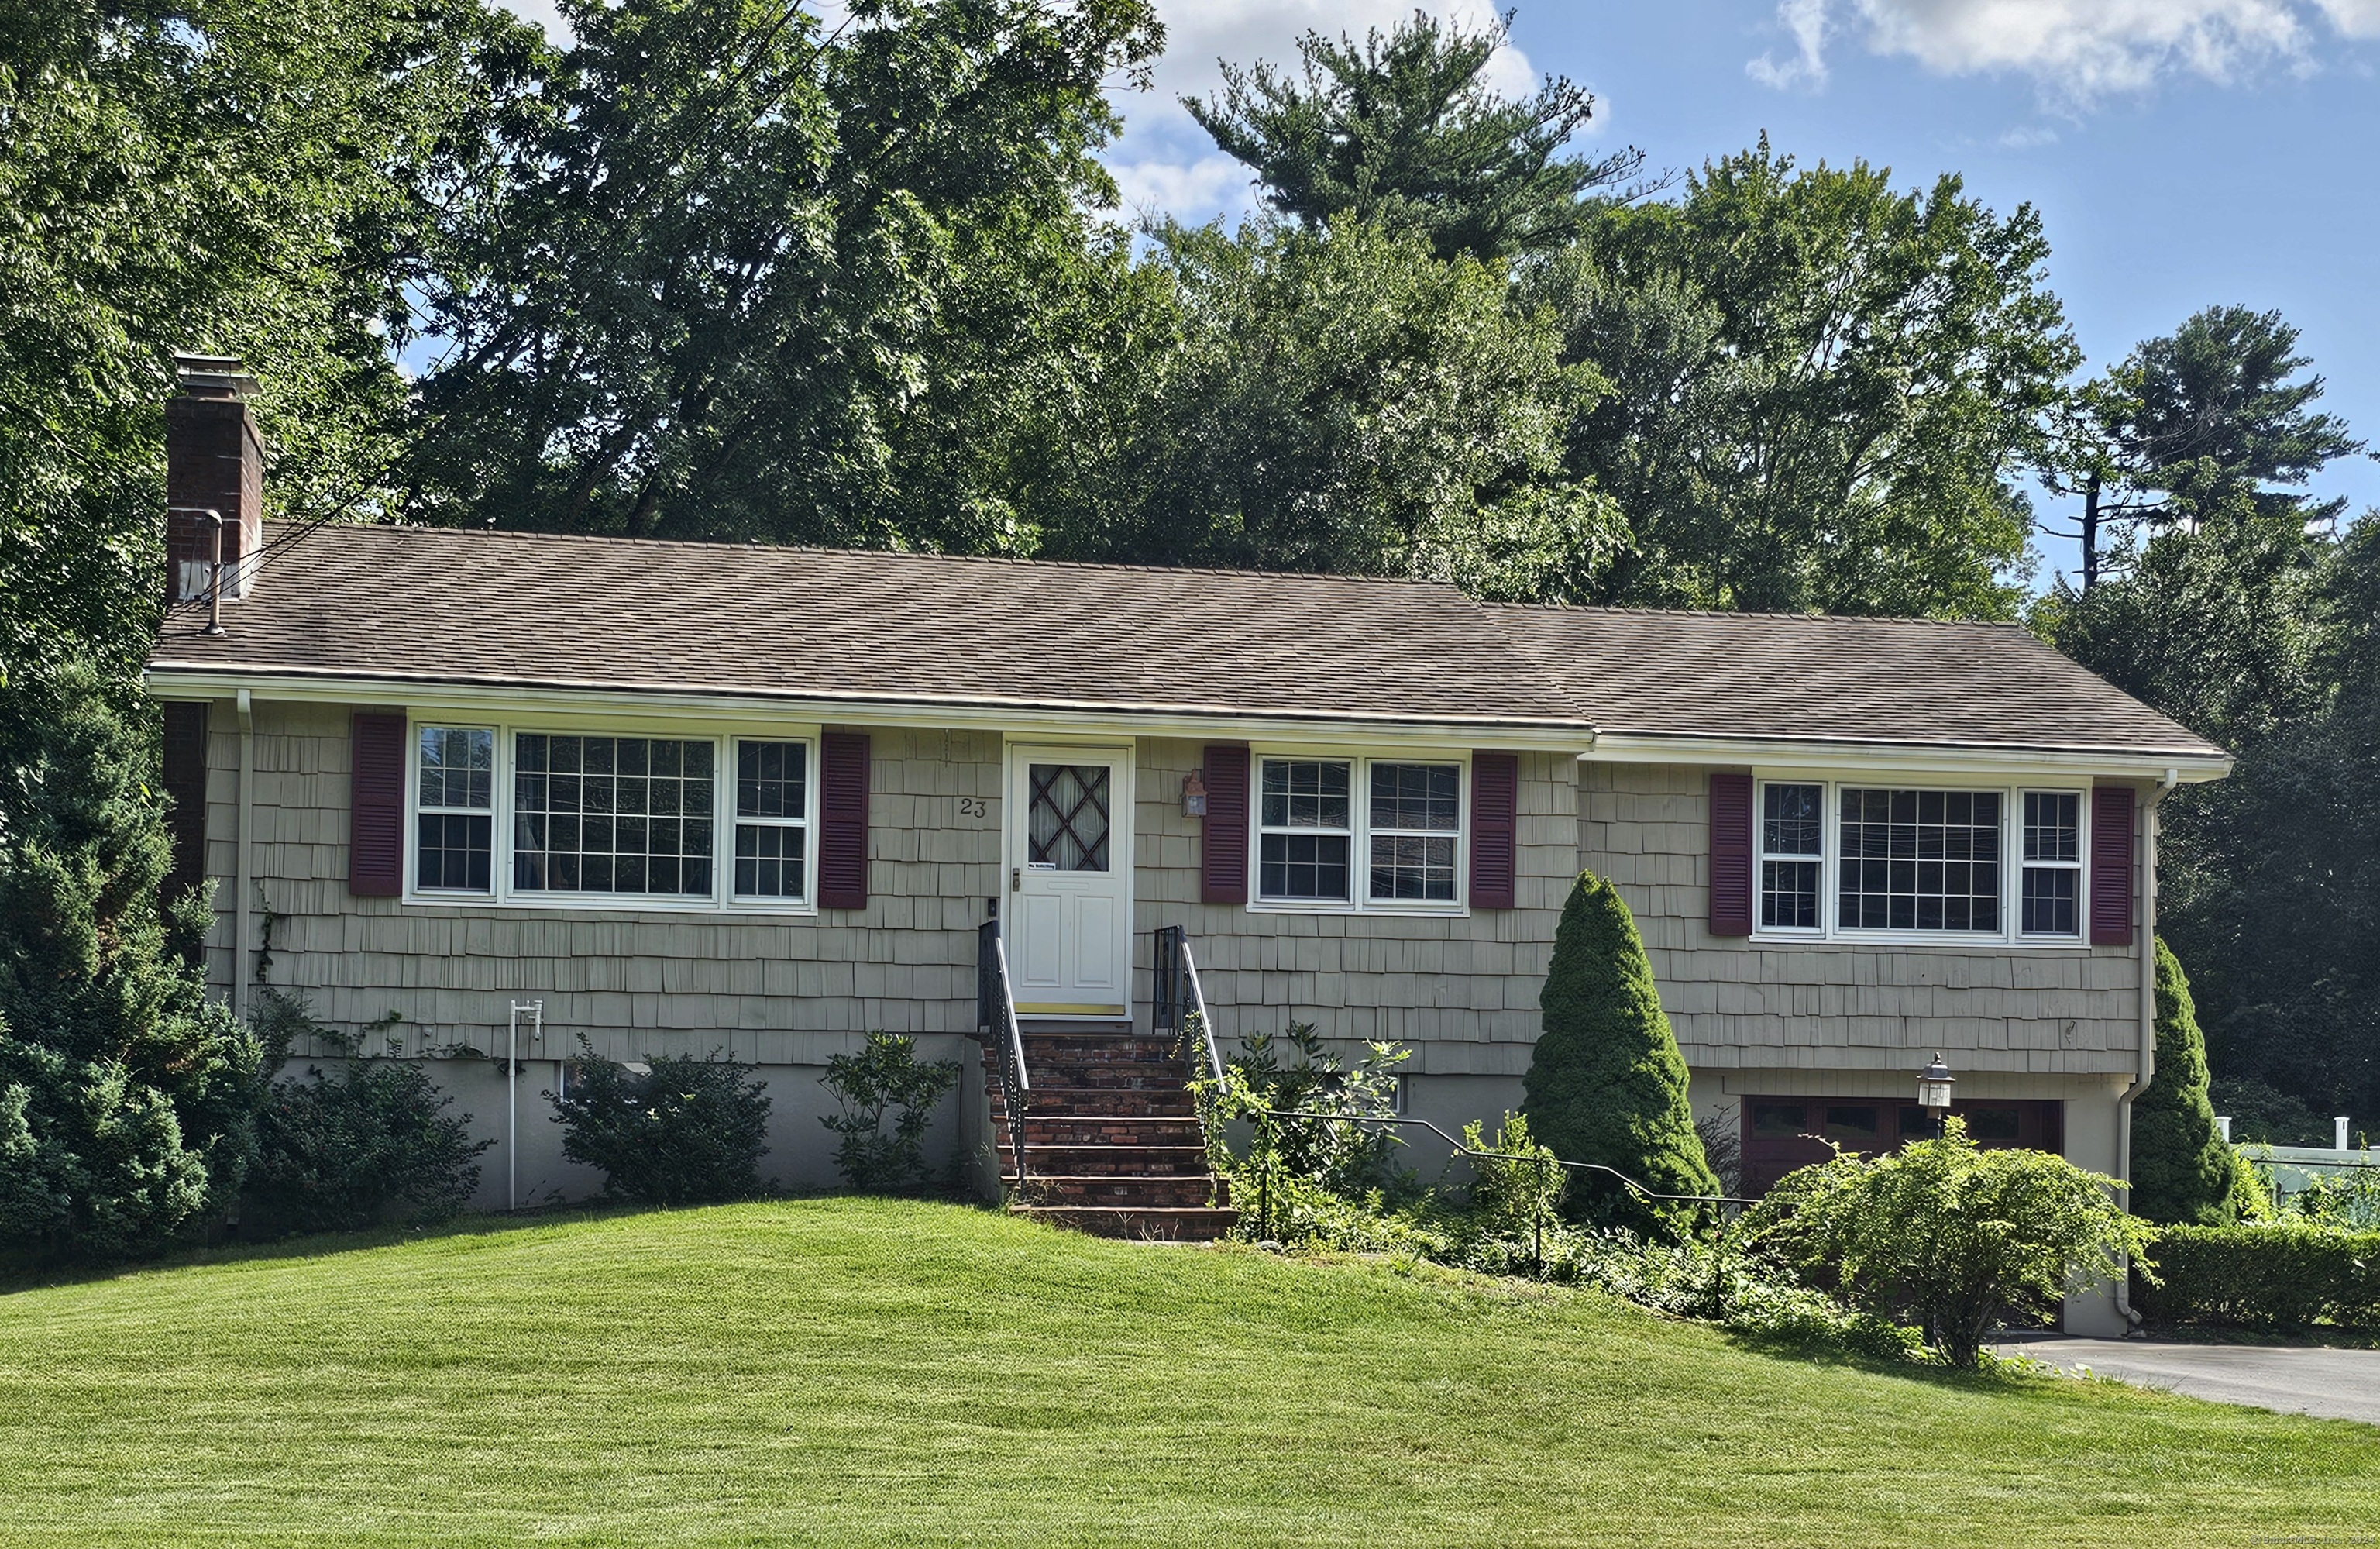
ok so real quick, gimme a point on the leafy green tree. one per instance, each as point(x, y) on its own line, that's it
point(1606, 1083)
point(1820, 388)
point(244, 177)
point(726, 274)
point(1404, 133)
point(2215, 408)
point(126, 1096)
point(2182, 1173)
point(2271, 881)
point(1337, 400)
point(1951, 1235)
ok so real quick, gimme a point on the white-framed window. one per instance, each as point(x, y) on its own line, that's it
point(454, 813)
point(771, 820)
point(599, 816)
point(1865, 860)
point(1792, 855)
point(1352, 833)
point(2050, 901)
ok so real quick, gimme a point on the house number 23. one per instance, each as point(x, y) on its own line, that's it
point(974, 807)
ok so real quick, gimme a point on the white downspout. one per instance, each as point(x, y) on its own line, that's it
point(243, 882)
point(2148, 1068)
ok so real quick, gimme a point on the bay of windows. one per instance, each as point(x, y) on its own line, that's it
point(1877, 858)
point(1326, 827)
point(600, 815)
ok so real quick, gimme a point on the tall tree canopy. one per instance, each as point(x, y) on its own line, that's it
point(2272, 877)
point(1404, 131)
point(722, 274)
point(2193, 419)
point(1821, 389)
point(237, 175)
point(1332, 401)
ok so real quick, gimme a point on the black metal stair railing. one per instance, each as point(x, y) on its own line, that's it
point(995, 1021)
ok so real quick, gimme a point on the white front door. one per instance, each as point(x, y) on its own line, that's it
point(1069, 916)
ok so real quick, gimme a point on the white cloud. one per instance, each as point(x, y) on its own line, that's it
point(2356, 18)
point(1192, 188)
point(1806, 19)
point(2074, 49)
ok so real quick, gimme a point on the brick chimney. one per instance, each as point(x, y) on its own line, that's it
point(213, 460)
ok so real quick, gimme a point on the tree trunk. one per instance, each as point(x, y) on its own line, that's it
point(2091, 533)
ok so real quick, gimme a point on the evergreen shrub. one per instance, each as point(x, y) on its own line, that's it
point(365, 1143)
point(1606, 1082)
point(2182, 1172)
point(683, 1131)
point(127, 1098)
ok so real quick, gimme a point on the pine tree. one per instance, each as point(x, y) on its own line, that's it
point(126, 1096)
point(2182, 1173)
point(1606, 1081)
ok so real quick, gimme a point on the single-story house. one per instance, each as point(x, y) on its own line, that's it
point(683, 796)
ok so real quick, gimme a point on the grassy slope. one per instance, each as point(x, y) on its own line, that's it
point(845, 1369)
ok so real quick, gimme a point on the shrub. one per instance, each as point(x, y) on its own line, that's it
point(1336, 1151)
point(2286, 1275)
point(1952, 1236)
point(1517, 1191)
point(2182, 1172)
point(684, 1131)
point(127, 1097)
point(1606, 1082)
point(885, 1075)
point(369, 1144)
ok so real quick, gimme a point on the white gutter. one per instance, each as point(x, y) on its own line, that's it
point(167, 681)
point(242, 883)
point(2148, 1019)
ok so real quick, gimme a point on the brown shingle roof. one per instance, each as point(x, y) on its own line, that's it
point(475, 606)
point(466, 606)
point(1802, 678)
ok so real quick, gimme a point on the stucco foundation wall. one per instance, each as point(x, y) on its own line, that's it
point(1460, 989)
point(1812, 1006)
point(773, 990)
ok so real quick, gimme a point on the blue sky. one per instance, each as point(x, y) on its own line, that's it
point(2183, 152)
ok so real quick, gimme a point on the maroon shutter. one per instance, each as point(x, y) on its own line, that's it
point(2111, 866)
point(185, 775)
point(1495, 806)
point(842, 821)
point(1730, 855)
point(376, 807)
point(1224, 852)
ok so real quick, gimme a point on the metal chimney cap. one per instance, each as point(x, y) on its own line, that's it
point(213, 376)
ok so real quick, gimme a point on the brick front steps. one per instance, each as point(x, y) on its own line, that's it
point(1111, 1139)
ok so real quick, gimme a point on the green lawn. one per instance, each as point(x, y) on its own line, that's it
point(843, 1371)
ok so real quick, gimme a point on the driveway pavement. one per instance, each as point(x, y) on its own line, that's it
point(2340, 1384)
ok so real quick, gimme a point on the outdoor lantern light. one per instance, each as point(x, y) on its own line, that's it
point(1194, 794)
point(1934, 1085)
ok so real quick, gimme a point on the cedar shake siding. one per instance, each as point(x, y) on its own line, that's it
point(793, 990)
point(1813, 1007)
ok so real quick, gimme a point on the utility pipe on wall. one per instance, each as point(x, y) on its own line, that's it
point(535, 1010)
point(242, 883)
point(2147, 1067)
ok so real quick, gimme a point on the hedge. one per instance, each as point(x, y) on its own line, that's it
point(2263, 1277)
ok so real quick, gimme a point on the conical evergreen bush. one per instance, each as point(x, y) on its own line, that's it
point(126, 1096)
point(2182, 1173)
point(1606, 1082)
